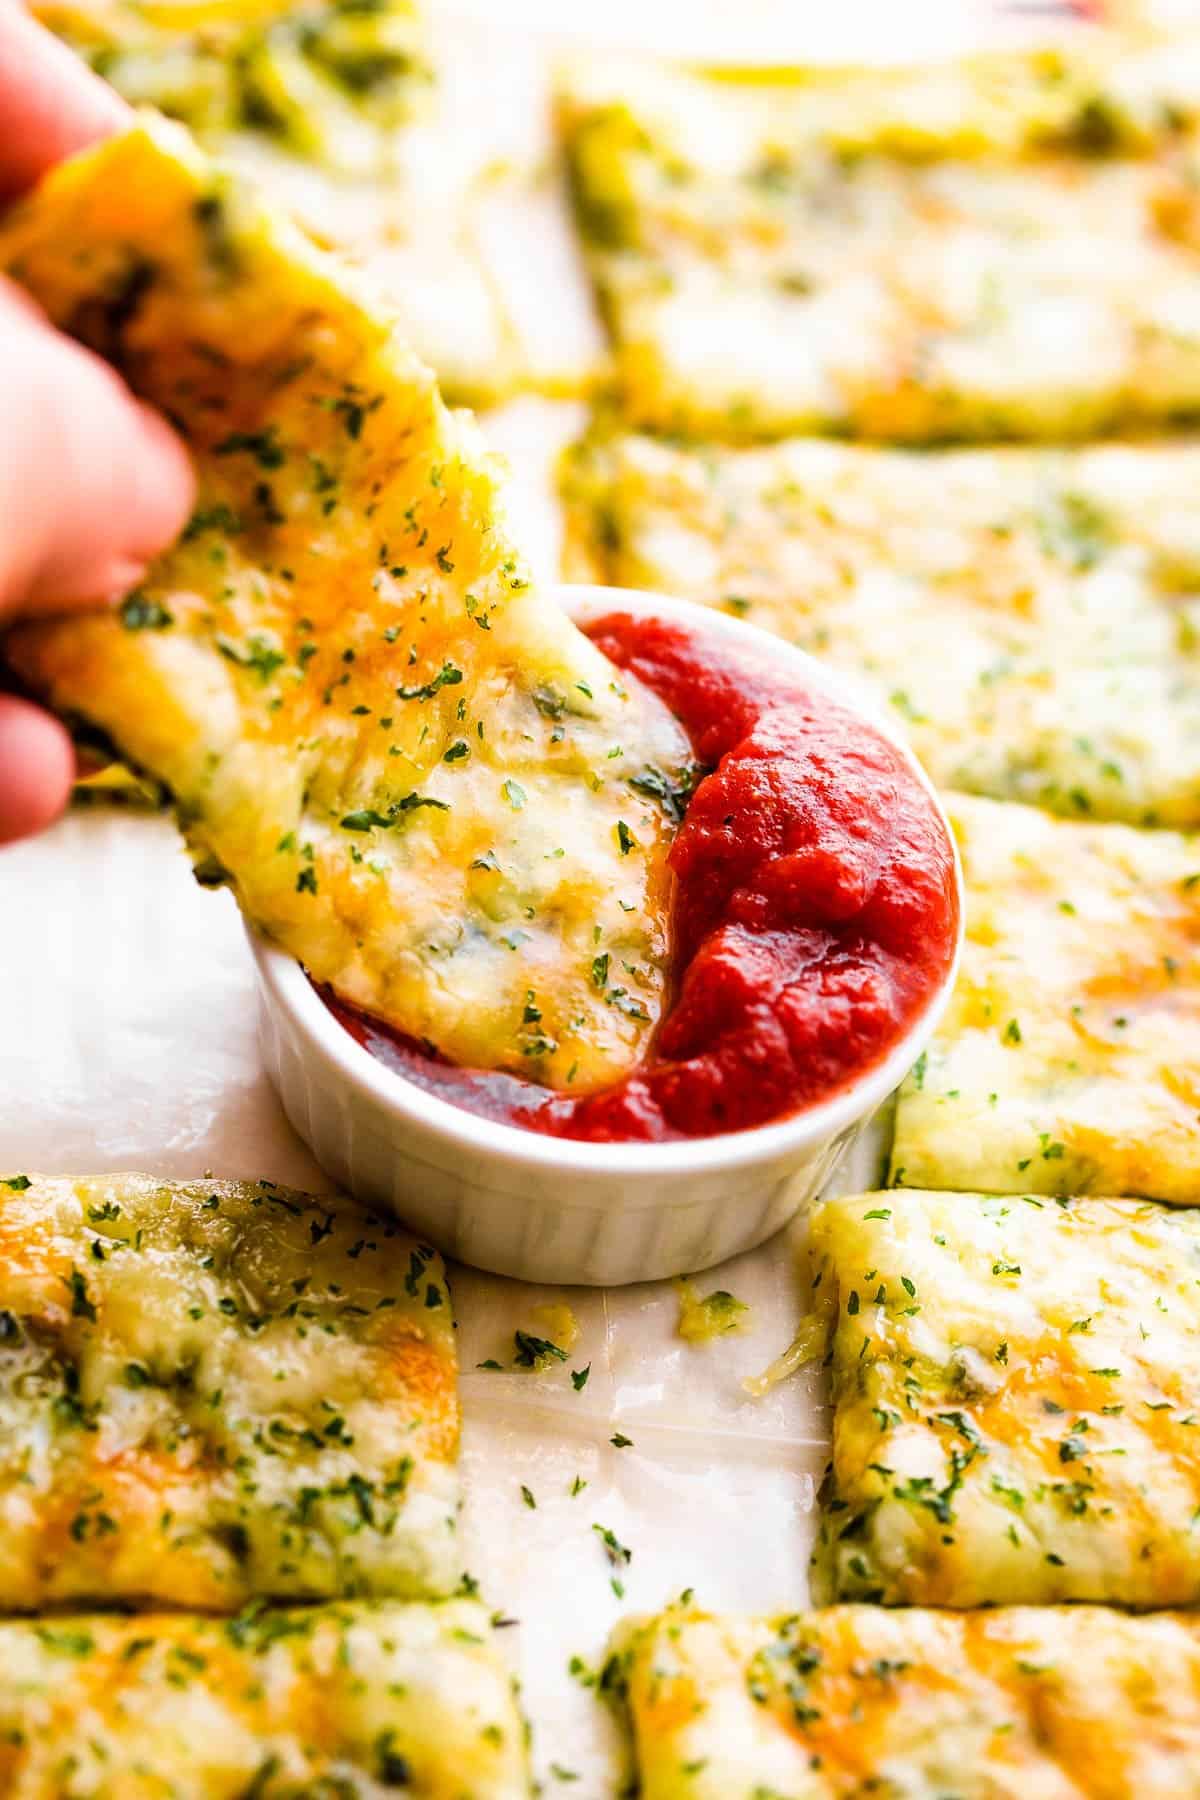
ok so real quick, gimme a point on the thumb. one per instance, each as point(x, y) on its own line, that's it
point(92, 483)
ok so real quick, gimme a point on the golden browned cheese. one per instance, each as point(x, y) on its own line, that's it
point(335, 1701)
point(1001, 247)
point(213, 1392)
point(416, 774)
point(1068, 1061)
point(1028, 618)
point(1021, 1703)
point(1013, 1389)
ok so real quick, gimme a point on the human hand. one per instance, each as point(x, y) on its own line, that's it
point(92, 483)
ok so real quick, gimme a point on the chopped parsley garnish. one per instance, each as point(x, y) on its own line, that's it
point(447, 676)
point(140, 614)
point(212, 518)
point(393, 1769)
point(535, 1352)
point(66, 1642)
point(81, 1303)
point(1073, 529)
point(256, 654)
point(672, 794)
point(263, 446)
point(710, 1316)
point(367, 819)
point(354, 412)
point(614, 1549)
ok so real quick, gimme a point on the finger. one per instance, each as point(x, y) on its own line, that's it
point(37, 768)
point(92, 483)
point(50, 103)
point(126, 491)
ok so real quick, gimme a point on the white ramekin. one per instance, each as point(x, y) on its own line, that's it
point(549, 1209)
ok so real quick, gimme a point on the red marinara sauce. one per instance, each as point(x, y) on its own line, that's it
point(815, 910)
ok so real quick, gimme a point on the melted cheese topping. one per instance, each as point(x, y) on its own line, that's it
point(1049, 1704)
point(1013, 1387)
point(344, 1700)
point(1000, 248)
point(413, 770)
point(1068, 1061)
point(344, 116)
point(1030, 620)
point(212, 1391)
point(329, 82)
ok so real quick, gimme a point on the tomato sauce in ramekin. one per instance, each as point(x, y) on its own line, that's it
point(815, 911)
